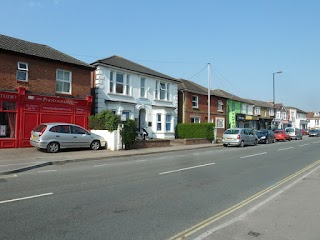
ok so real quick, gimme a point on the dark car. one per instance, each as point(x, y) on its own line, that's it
point(314, 133)
point(265, 136)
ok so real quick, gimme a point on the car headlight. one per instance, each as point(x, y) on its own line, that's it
point(263, 137)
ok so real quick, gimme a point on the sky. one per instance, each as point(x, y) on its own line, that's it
point(245, 41)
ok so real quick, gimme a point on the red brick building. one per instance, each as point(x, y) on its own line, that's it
point(193, 105)
point(39, 84)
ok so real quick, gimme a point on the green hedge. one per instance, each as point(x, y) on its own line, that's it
point(195, 130)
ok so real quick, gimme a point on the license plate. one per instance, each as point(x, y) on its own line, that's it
point(33, 136)
point(229, 138)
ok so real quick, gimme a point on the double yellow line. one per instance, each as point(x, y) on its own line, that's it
point(188, 232)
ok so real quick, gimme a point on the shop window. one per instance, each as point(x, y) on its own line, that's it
point(7, 119)
point(63, 81)
point(22, 72)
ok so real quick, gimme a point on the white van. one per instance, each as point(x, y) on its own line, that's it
point(294, 133)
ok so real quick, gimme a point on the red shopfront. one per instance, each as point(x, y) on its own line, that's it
point(21, 112)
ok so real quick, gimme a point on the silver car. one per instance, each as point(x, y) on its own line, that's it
point(56, 136)
point(239, 137)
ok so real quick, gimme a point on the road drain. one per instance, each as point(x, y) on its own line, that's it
point(254, 234)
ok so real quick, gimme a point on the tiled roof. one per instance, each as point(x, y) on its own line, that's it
point(192, 87)
point(37, 50)
point(298, 110)
point(222, 93)
point(262, 104)
point(310, 115)
point(119, 62)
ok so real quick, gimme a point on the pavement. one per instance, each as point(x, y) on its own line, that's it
point(291, 213)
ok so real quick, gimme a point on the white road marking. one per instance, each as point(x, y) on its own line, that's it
point(284, 148)
point(304, 145)
point(317, 142)
point(9, 176)
point(141, 161)
point(183, 169)
point(254, 155)
point(45, 171)
point(101, 165)
point(25, 198)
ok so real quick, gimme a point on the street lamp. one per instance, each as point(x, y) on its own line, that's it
point(274, 98)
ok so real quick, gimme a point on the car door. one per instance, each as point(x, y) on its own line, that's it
point(80, 137)
point(245, 135)
point(62, 136)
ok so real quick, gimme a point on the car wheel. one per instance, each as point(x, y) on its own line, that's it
point(95, 145)
point(53, 147)
point(242, 143)
point(225, 145)
point(274, 140)
point(255, 142)
point(267, 141)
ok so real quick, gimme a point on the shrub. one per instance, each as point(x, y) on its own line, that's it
point(104, 120)
point(129, 133)
point(196, 130)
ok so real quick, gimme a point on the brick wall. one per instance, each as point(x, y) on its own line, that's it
point(202, 110)
point(42, 75)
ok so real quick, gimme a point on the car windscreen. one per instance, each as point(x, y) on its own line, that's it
point(39, 128)
point(232, 131)
point(291, 130)
point(313, 131)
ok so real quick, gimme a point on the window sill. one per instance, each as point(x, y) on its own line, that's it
point(22, 81)
point(220, 111)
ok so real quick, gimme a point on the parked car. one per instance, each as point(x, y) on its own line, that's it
point(239, 137)
point(314, 133)
point(294, 133)
point(281, 135)
point(56, 136)
point(265, 136)
point(304, 131)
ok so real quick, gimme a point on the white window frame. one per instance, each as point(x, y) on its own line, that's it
point(111, 79)
point(168, 123)
point(219, 119)
point(159, 122)
point(257, 111)
point(194, 119)
point(220, 106)
point(195, 102)
point(23, 70)
point(127, 86)
point(143, 87)
point(162, 93)
point(127, 113)
point(121, 85)
point(271, 112)
point(63, 80)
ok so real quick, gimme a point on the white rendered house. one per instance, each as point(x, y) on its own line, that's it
point(140, 93)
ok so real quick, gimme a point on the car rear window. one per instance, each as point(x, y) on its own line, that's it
point(232, 131)
point(290, 130)
point(277, 131)
point(39, 128)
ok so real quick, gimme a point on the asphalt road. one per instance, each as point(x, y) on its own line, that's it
point(146, 197)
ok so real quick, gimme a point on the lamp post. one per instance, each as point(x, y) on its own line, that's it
point(274, 98)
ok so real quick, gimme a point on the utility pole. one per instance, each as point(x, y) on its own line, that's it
point(209, 93)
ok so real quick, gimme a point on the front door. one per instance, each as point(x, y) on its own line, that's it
point(142, 119)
